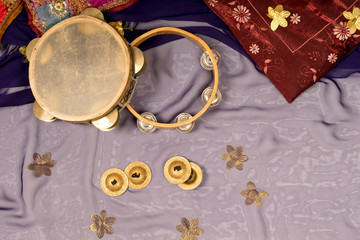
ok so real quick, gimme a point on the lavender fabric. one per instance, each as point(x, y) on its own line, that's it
point(304, 154)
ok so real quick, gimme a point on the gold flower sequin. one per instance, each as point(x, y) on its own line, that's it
point(253, 196)
point(102, 224)
point(234, 157)
point(354, 20)
point(278, 16)
point(42, 164)
point(189, 230)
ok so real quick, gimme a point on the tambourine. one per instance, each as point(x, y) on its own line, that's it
point(82, 70)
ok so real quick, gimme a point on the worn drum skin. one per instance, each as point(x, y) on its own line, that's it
point(81, 69)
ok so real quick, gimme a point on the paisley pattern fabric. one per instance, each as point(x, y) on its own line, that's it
point(305, 155)
point(295, 43)
point(43, 14)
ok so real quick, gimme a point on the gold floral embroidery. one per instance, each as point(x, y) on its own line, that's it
point(189, 230)
point(78, 6)
point(278, 16)
point(102, 224)
point(58, 8)
point(42, 164)
point(253, 196)
point(234, 157)
point(354, 20)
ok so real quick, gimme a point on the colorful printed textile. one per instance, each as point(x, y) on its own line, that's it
point(9, 9)
point(294, 44)
point(43, 14)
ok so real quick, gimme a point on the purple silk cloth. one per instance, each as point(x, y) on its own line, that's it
point(19, 33)
point(305, 155)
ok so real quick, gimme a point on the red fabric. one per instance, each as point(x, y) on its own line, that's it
point(75, 7)
point(3, 11)
point(296, 56)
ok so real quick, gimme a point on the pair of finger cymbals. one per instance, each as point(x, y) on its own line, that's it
point(187, 175)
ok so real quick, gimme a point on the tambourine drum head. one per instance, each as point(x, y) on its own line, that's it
point(79, 69)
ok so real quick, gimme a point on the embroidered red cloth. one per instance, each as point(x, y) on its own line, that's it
point(9, 9)
point(296, 56)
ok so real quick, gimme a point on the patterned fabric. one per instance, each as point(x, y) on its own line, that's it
point(305, 155)
point(295, 44)
point(9, 9)
point(43, 14)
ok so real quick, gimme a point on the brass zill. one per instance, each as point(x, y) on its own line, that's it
point(177, 169)
point(139, 175)
point(195, 178)
point(114, 182)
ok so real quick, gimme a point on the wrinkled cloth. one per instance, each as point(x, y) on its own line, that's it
point(304, 154)
point(187, 11)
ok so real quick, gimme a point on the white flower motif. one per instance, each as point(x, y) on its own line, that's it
point(241, 14)
point(254, 48)
point(295, 18)
point(341, 31)
point(212, 3)
point(332, 57)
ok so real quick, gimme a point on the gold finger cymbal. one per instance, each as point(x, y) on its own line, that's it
point(108, 122)
point(195, 178)
point(41, 114)
point(139, 175)
point(177, 169)
point(114, 182)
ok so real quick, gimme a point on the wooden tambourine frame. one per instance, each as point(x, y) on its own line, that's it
point(198, 41)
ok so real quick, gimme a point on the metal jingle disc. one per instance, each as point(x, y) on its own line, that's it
point(30, 48)
point(41, 114)
point(144, 127)
point(206, 61)
point(108, 122)
point(111, 128)
point(139, 175)
point(93, 12)
point(114, 182)
point(194, 179)
point(177, 169)
point(183, 117)
point(205, 96)
point(140, 60)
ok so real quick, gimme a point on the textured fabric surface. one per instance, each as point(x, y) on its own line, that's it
point(45, 14)
point(195, 16)
point(297, 55)
point(9, 10)
point(305, 155)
